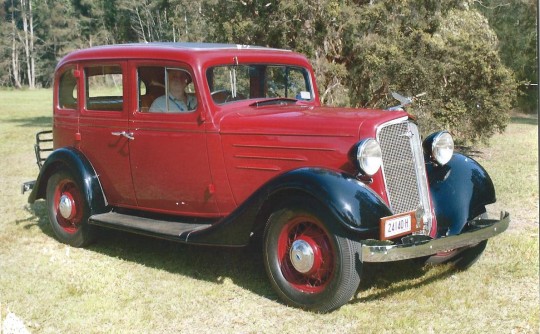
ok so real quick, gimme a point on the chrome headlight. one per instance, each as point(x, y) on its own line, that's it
point(440, 146)
point(367, 156)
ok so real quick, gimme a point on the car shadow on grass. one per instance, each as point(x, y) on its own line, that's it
point(382, 280)
point(243, 266)
point(32, 122)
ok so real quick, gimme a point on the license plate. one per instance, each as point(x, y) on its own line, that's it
point(398, 225)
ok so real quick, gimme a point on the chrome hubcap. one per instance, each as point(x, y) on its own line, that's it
point(65, 207)
point(302, 256)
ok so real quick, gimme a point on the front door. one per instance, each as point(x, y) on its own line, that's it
point(169, 158)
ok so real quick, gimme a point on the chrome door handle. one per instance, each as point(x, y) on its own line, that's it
point(128, 135)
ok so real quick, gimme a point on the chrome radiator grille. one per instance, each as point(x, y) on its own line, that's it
point(403, 169)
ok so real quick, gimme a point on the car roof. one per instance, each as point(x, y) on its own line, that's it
point(189, 52)
point(203, 46)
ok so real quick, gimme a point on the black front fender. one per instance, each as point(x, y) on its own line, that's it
point(460, 191)
point(355, 206)
point(73, 160)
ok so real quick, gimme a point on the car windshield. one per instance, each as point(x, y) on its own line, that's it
point(230, 83)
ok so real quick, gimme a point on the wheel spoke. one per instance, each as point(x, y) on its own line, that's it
point(310, 231)
point(68, 189)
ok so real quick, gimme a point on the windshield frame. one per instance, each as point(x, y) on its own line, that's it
point(255, 80)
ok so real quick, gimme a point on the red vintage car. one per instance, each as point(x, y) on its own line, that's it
point(215, 144)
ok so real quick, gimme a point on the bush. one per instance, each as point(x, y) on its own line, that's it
point(452, 57)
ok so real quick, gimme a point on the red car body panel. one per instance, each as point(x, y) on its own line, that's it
point(293, 137)
point(224, 156)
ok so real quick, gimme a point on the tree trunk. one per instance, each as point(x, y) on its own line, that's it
point(32, 52)
point(26, 12)
point(14, 50)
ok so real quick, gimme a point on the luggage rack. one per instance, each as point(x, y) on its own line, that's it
point(43, 147)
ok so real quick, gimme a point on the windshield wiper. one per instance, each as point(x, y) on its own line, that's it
point(276, 100)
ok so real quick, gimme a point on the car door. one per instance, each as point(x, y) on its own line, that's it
point(103, 126)
point(169, 158)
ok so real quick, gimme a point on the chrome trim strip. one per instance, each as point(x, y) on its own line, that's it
point(387, 253)
point(392, 122)
point(279, 147)
point(421, 177)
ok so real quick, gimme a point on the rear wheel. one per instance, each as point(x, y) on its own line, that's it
point(309, 265)
point(69, 209)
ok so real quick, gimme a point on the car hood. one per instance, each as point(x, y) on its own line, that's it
point(305, 120)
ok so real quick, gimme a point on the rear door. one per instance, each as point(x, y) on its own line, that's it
point(103, 128)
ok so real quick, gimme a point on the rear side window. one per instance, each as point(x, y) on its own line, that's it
point(67, 90)
point(104, 88)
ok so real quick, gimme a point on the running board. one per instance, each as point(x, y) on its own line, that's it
point(164, 229)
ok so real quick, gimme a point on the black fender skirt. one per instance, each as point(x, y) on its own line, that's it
point(74, 161)
point(356, 207)
point(460, 190)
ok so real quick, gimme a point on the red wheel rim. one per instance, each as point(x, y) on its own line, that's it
point(67, 191)
point(309, 231)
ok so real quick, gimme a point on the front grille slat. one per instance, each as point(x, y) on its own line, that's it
point(403, 169)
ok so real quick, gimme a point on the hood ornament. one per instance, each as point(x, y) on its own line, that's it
point(407, 134)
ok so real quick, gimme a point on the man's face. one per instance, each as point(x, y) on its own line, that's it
point(178, 80)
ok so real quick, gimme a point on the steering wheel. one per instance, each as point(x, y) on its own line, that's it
point(222, 96)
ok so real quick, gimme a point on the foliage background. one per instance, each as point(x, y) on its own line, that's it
point(469, 56)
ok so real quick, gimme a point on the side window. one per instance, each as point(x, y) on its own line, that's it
point(67, 90)
point(104, 88)
point(165, 90)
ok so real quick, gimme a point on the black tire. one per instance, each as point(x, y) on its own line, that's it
point(467, 257)
point(69, 220)
point(461, 258)
point(331, 278)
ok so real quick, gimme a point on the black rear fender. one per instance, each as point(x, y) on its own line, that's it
point(74, 161)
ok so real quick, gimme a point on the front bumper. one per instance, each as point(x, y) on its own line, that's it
point(486, 228)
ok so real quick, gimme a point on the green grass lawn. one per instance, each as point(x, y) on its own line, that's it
point(129, 283)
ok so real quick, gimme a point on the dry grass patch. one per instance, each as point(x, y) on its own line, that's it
point(127, 283)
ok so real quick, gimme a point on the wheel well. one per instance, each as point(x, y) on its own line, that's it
point(74, 161)
point(51, 169)
point(271, 204)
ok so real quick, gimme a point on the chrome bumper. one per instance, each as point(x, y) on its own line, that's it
point(486, 229)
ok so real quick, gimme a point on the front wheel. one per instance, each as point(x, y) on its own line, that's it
point(461, 258)
point(68, 209)
point(309, 265)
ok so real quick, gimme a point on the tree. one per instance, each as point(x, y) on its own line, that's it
point(57, 32)
point(5, 48)
point(362, 50)
point(174, 20)
point(15, 66)
point(28, 41)
point(446, 50)
point(311, 27)
point(515, 22)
